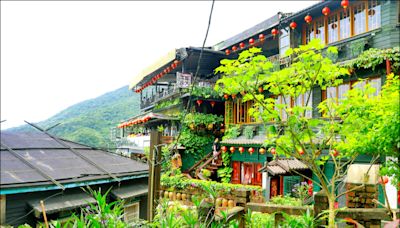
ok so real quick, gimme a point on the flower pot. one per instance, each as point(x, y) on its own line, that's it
point(166, 194)
point(231, 203)
point(178, 196)
point(171, 196)
point(183, 195)
point(224, 202)
point(218, 202)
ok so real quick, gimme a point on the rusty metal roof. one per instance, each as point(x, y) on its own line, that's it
point(283, 165)
point(31, 158)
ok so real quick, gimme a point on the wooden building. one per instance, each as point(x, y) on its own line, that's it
point(37, 166)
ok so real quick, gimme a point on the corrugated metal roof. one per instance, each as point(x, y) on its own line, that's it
point(57, 161)
point(129, 191)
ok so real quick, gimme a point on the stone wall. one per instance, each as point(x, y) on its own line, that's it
point(362, 197)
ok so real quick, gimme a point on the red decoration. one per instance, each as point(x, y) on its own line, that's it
point(308, 19)
point(242, 45)
point(234, 48)
point(233, 96)
point(226, 96)
point(176, 62)
point(326, 11)
point(251, 150)
point(261, 150)
point(261, 37)
point(383, 180)
point(301, 151)
point(199, 102)
point(227, 52)
point(335, 153)
point(212, 103)
point(224, 148)
point(251, 41)
point(274, 32)
point(273, 151)
point(232, 149)
point(344, 4)
point(173, 65)
point(260, 89)
point(241, 149)
point(293, 25)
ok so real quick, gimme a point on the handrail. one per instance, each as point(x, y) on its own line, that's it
point(199, 162)
point(206, 163)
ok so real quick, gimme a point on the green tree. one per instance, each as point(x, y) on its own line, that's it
point(313, 141)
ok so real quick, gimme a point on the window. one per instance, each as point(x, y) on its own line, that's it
point(320, 30)
point(344, 25)
point(309, 30)
point(237, 112)
point(302, 102)
point(359, 18)
point(284, 41)
point(333, 28)
point(374, 15)
point(131, 212)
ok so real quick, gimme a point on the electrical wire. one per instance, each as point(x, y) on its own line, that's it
point(33, 209)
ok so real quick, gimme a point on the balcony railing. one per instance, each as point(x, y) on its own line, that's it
point(145, 103)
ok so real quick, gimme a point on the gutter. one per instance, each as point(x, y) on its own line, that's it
point(68, 185)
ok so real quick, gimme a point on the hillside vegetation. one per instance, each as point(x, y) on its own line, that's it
point(90, 122)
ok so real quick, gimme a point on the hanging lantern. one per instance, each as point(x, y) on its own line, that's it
point(224, 149)
point(227, 52)
point(241, 149)
point(261, 37)
point(251, 41)
point(301, 151)
point(233, 96)
point(251, 150)
point(293, 25)
point(261, 150)
point(234, 48)
point(242, 45)
point(344, 4)
point(274, 32)
point(232, 149)
point(326, 11)
point(176, 62)
point(335, 153)
point(308, 18)
point(226, 96)
point(165, 71)
point(383, 180)
point(273, 151)
point(199, 102)
point(260, 89)
point(212, 103)
point(173, 65)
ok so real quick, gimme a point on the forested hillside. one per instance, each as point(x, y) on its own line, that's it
point(90, 122)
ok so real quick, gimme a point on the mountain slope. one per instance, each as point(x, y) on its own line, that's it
point(90, 122)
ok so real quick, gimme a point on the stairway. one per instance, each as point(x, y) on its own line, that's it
point(204, 163)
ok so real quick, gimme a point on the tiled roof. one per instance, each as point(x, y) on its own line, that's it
point(283, 166)
point(242, 140)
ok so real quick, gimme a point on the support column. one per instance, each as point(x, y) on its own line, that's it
point(2, 210)
point(154, 173)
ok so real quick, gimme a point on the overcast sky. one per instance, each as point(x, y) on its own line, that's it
point(57, 53)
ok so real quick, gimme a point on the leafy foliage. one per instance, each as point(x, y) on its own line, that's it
point(202, 119)
point(195, 143)
point(373, 57)
point(167, 103)
point(231, 132)
point(90, 122)
point(205, 92)
point(225, 172)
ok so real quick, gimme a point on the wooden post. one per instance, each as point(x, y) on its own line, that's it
point(2, 210)
point(44, 214)
point(154, 173)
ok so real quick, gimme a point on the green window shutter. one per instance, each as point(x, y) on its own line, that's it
point(289, 182)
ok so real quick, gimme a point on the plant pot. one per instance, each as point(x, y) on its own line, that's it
point(171, 196)
point(218, 202)
point(183, 195)
point(231, 203)
point(166, 194)
point(178, 196)
point(224, 202)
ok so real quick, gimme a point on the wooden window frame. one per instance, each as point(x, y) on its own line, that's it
point(133, 204)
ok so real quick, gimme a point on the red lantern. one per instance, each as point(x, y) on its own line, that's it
point(335, 153)
point(251, 150)
point(261, 150)
point(242, 45)
point(232, 149)
point(260, 89)
point(227, 52)
point(212, 103)
point(273, 151)
point(173, 65)
point(293, 25)
point(344, 4)
point(199, 102)
point(226, 96)
point(301, 151)
point(383, 180)
point(176, 62)
point(165, 71)
point(251, 41)
point(274, 32)
point(224, 148)
point(234, 48)
point(233, 96)
point(326, 11)
point(308, 19)
point(241, 149)
point(261, 37)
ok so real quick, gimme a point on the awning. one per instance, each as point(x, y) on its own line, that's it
point(168, 58)
point(130, 191)
point(143, 118)
point(282, 166)
point(61, 203)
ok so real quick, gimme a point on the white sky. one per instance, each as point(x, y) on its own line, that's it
point(56, 54)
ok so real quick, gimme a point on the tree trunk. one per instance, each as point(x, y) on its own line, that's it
point(331, 218)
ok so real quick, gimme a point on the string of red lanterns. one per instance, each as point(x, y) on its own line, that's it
point(158, 76)
point(143, 119)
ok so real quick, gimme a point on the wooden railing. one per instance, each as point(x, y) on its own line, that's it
point(199, 162)
point(205, 164)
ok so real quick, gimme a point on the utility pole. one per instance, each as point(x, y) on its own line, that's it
point(154, 173)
